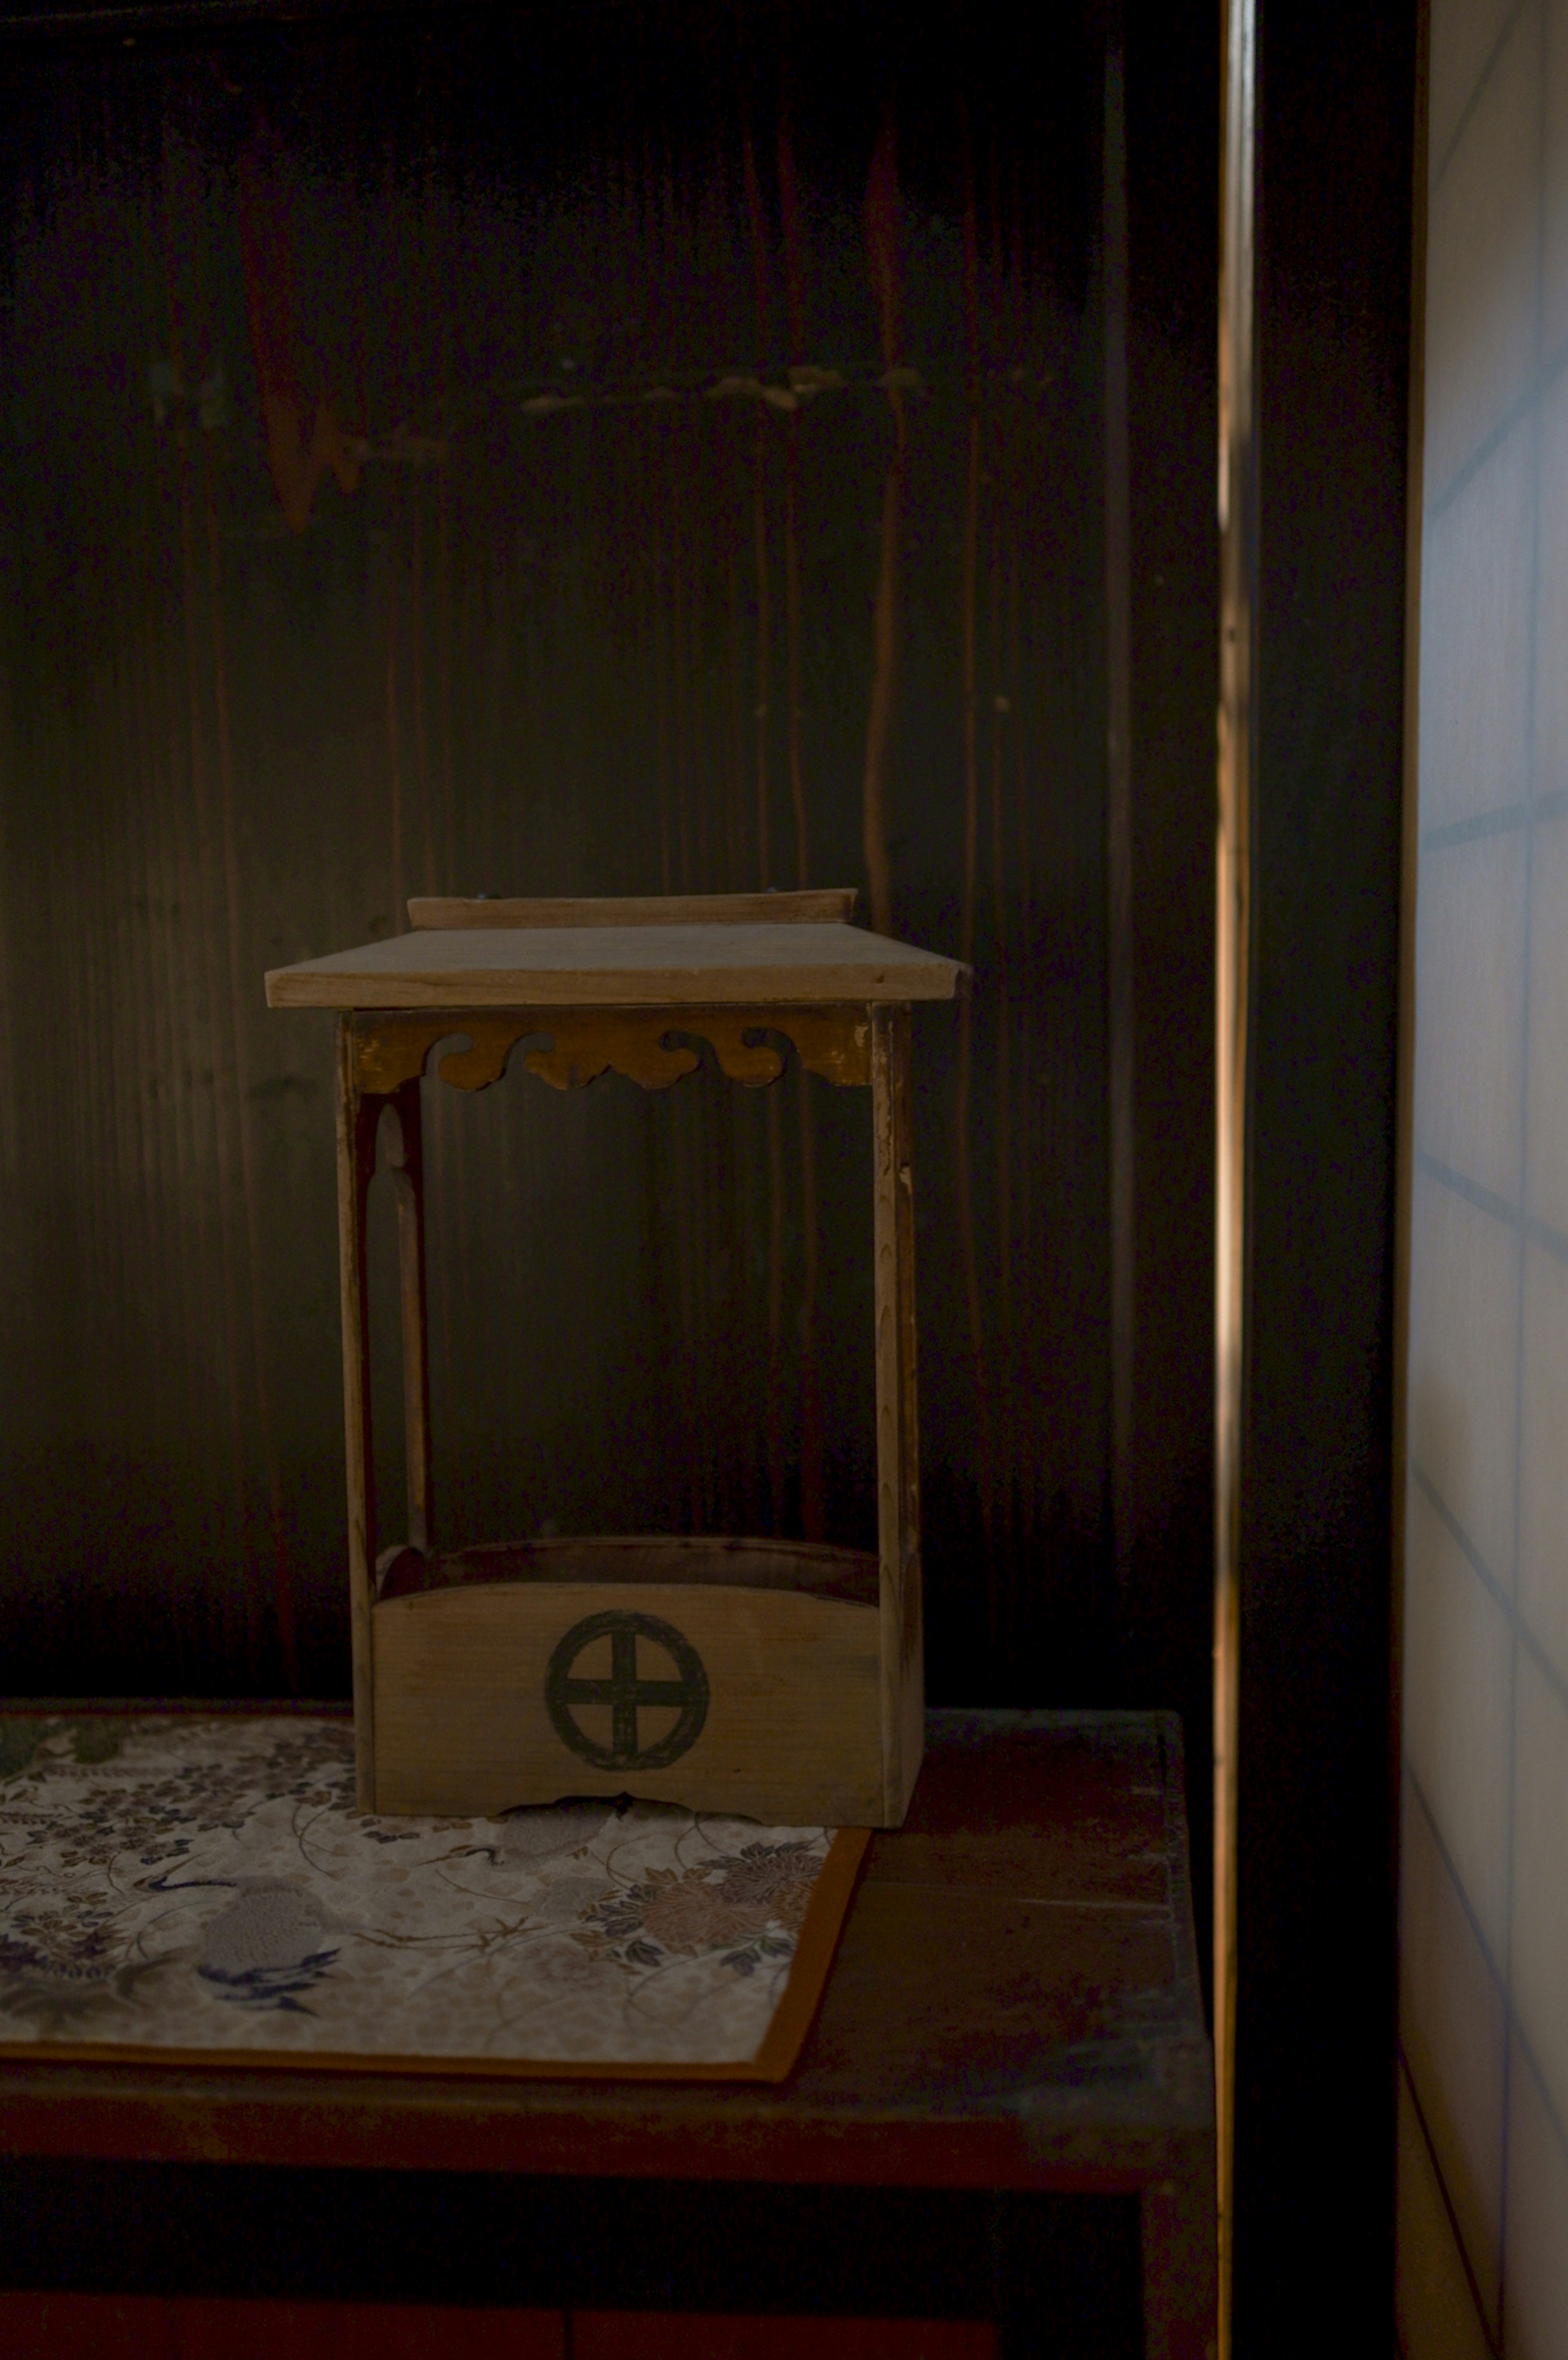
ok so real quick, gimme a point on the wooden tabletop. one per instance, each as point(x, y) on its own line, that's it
point(636, 964)
point(1015, 2004)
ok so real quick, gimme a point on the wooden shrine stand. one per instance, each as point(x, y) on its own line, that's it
point(782, 1680)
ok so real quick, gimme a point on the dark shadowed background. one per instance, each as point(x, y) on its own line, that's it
point(603, 451)
point(619, 449)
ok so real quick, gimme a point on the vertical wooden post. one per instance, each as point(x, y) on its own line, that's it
point(357, 1117)
point(898, 1442)
point(407, 1161)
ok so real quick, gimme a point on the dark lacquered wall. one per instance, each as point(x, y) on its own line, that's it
point(406, 487)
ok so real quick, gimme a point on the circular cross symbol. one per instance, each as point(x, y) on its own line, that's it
point(625, 1694)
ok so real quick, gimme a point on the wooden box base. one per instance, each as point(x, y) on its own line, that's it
point(741, 1676)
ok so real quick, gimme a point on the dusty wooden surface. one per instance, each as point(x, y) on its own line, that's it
point(1014, 2003)
point(1014, 2007)
point(618, 967)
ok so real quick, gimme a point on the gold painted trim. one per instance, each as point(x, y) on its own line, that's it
point(647, 1045)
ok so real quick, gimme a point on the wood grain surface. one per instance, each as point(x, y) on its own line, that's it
point(621, 966)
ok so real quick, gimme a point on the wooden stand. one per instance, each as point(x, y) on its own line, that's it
point(1005, 2109)
point(782, 1680)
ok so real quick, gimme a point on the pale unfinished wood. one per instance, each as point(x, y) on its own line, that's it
point(827, 906)
point(898, 1447)
point(586, 1043)
point(792, 1733)
point(402, 1131)
point(818, 1569)
point(810, 1717)
point(356, 1124)
point(751, 967)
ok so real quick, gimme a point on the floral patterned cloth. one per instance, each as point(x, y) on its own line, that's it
point(204, 1884)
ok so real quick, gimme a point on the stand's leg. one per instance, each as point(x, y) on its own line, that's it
point(898, 1442)
point(357, 1118)
point(407, 1161)
point(1067, 2277)
point(1180, 2249)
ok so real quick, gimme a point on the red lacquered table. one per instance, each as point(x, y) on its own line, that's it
point(1003, 2111)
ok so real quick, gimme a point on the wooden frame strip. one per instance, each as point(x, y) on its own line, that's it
point(407, 1172)
point(898, 1445)
point(357, 1118)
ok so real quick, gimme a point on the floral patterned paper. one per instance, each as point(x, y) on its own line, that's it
point(205, 1883)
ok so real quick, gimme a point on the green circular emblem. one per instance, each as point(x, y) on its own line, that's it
point(628, 1691)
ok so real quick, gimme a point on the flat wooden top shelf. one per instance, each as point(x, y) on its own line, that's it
point(638, 966)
